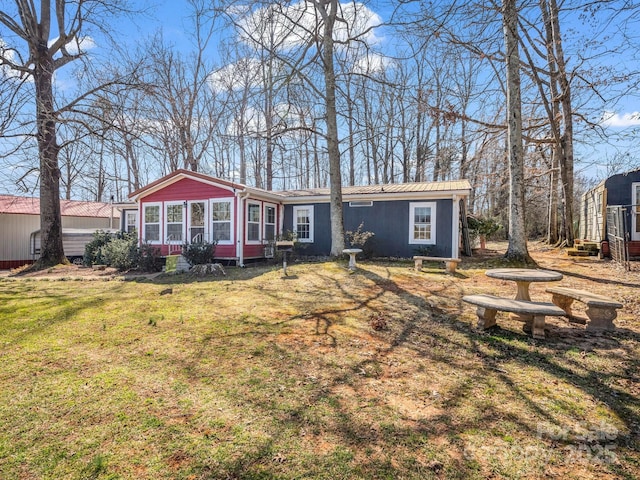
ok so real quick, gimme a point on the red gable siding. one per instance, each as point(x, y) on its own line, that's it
point(187, 189)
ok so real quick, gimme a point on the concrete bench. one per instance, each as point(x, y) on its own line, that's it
point(532, 313)
point(450, 263)
point(601, 310)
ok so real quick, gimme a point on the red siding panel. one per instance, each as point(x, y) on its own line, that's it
point(253, 251)
point(225, 251)
point(187, 189)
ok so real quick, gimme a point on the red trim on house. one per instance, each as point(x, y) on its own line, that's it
point(9, 264)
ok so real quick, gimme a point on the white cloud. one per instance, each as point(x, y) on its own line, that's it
point(250, 122)
point(372, 63)
point(245, 73)
point(77, 45)
point(10, 55)
point(612, 119)
point(287, 27)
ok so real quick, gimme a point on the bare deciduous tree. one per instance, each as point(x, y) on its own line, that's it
point(38, 42)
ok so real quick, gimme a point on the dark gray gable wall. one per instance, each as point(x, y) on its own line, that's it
point(389, 220)
point(619, 188)
point(619, 192)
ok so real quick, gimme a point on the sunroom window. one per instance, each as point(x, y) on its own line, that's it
point(174, 222)
point(151, 226)
point(222, 221)
point(269, 222)
point(253, 222)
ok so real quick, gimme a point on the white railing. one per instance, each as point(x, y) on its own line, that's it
point(173, 247)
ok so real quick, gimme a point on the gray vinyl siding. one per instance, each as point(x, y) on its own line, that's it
point(389, 220)
point(618, 193)
point(16, 229)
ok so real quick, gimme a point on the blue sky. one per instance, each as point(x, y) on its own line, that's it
point(172, 17)
point(621, 118)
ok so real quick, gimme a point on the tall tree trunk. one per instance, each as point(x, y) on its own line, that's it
point(352, 146)
point(552, 233)
point(566, 159)
point(268, 118)
point(333, 147)
point(517, 249)
point(553, 111)
point(52, 251)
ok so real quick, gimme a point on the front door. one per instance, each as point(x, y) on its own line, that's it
point(635, 211)
point(197, 216)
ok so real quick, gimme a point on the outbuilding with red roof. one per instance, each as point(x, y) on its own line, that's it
point(20, 218)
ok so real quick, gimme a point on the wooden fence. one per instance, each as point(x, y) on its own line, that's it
point(618, 236)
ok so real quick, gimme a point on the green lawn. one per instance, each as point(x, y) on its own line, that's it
point(255, 376)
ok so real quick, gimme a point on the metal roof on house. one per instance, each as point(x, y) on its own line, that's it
point(420, 187)
point(69, 208)
point(395, 189)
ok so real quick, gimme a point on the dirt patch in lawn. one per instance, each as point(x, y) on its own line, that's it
point(70, 272)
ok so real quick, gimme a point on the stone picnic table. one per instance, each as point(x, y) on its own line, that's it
point(523, 277)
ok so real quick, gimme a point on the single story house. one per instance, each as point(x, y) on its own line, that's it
point(619, 193)
point(20, 220)
point(186, 206)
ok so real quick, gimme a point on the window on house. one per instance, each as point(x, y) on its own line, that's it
point(361, 203)
point(253, 222)
point(131, 220)
point(196, 222)
point(151, 233)
point(174, 222)
point(303, 223)
point(269, 222)
point(422, 226)
point(222, 221)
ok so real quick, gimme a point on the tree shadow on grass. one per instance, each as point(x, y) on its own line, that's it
point(606, 281)
point(495, 385)
point(554, 359)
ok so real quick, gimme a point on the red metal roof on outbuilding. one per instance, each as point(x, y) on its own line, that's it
point(69, 208)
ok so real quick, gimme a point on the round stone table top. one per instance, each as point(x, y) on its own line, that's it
point(524, 274)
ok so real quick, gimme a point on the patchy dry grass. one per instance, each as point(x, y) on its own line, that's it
point(255, 376)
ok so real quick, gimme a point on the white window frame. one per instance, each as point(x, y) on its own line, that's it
point(264, 221)
point(131, 214)
point(231, 222)
point(296, 208)
point(166, 223)
point(205, 234)
point(412, 217)
point(247, 222)
point(361, 203)
point(635, 208)
point(143, 223)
